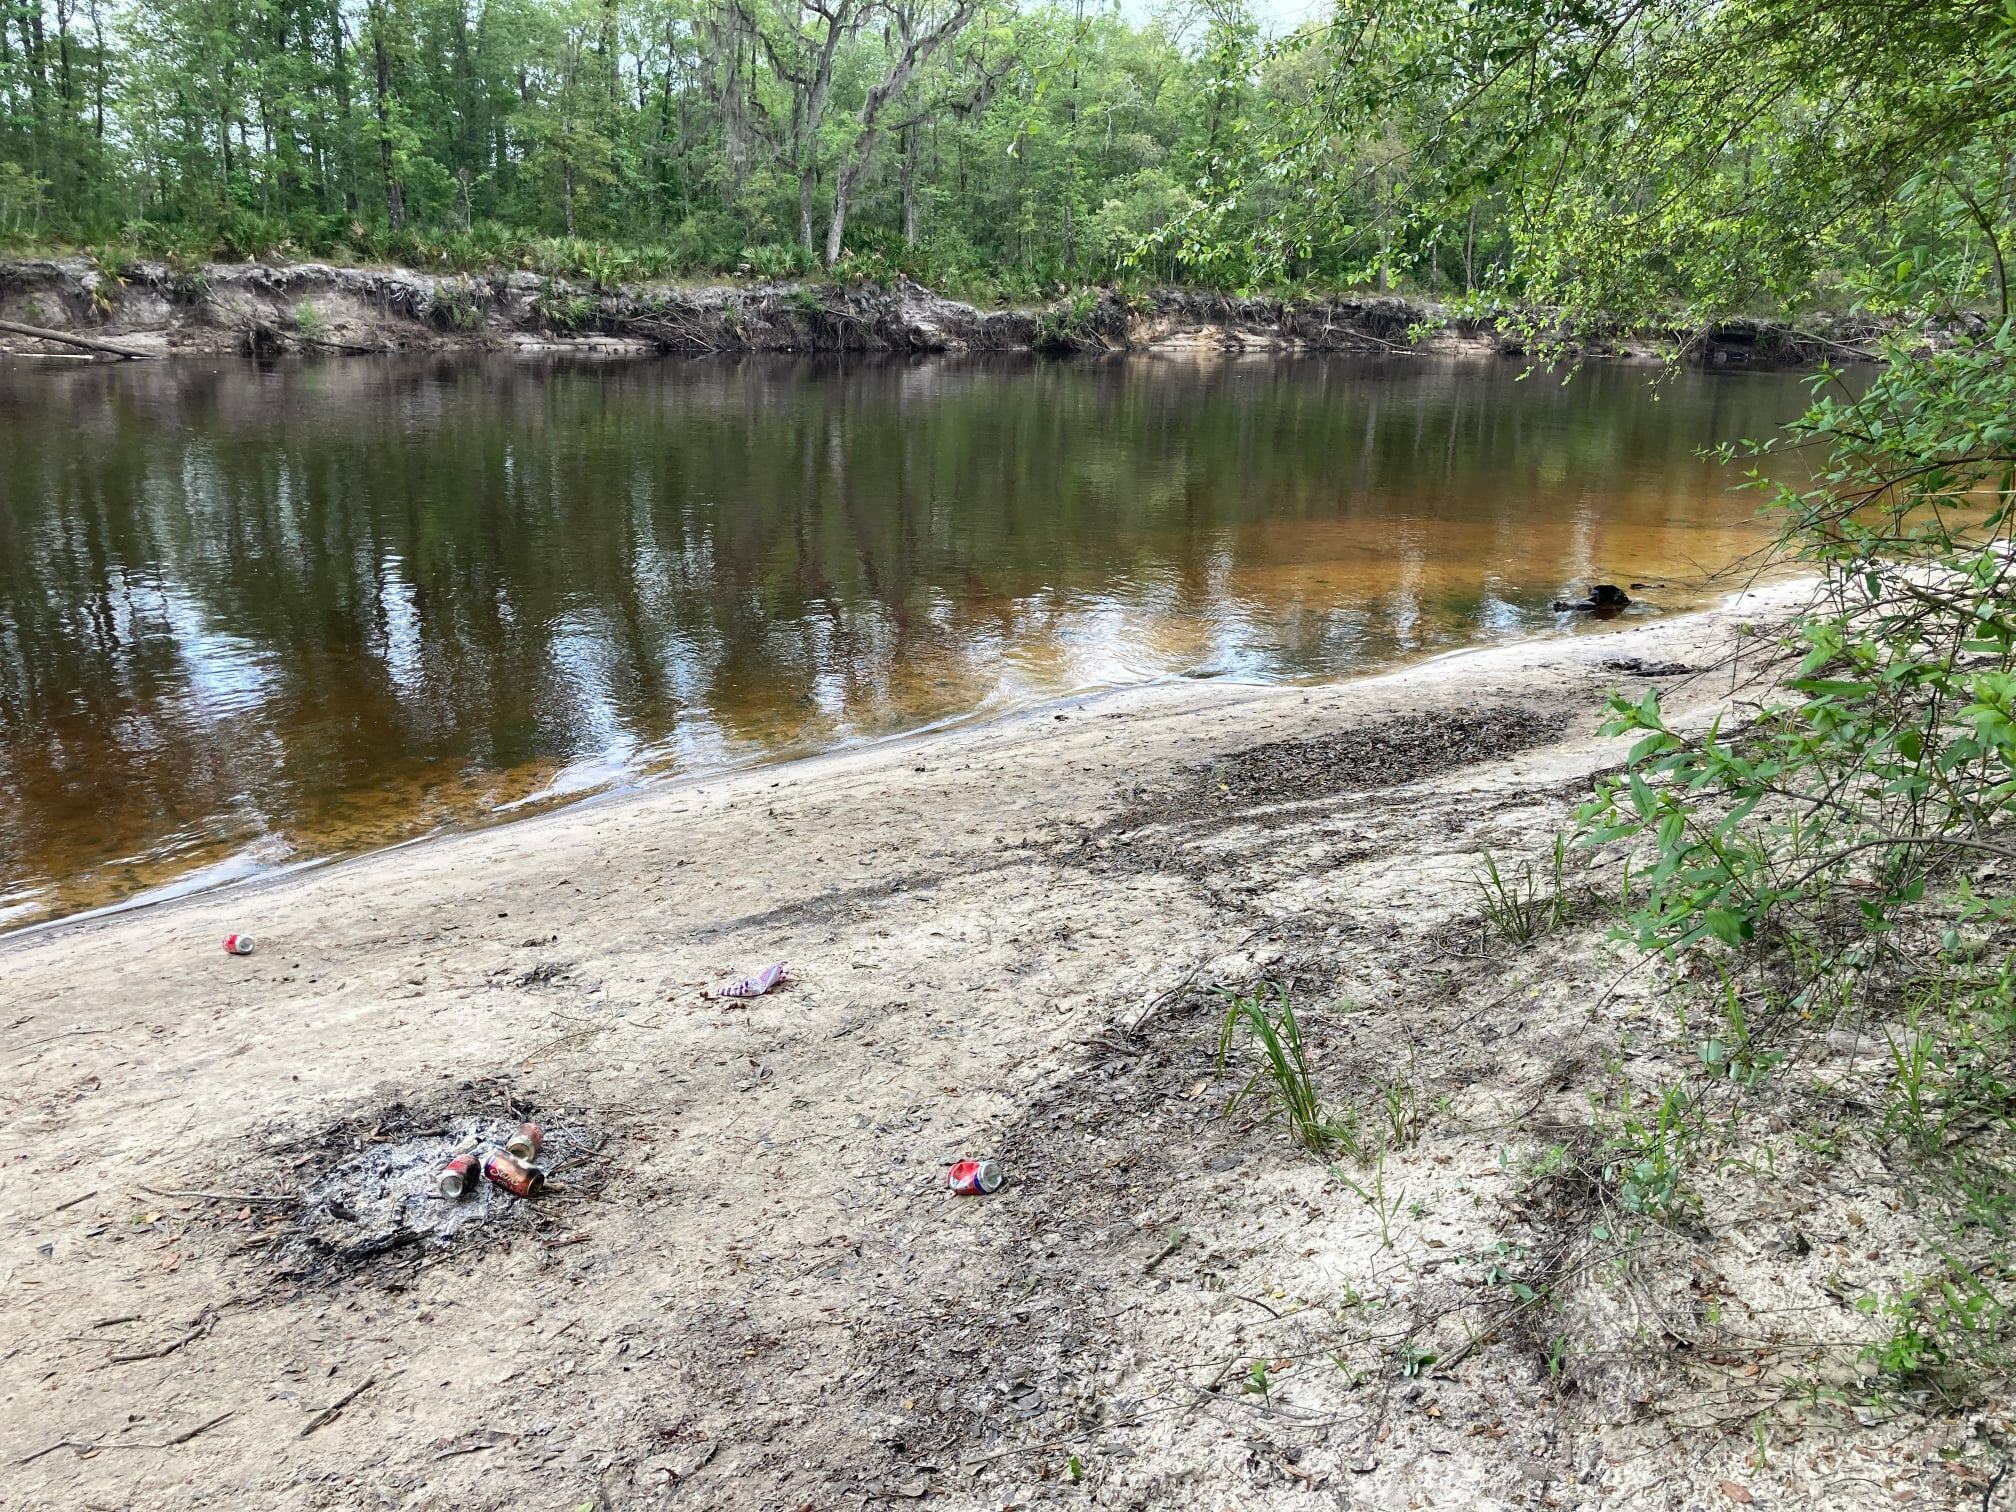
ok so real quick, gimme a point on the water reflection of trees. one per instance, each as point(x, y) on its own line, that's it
point(328, 599)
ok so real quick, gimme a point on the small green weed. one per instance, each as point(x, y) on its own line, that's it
point(1400, 1103)
point(1282, 1082)
point(1518, 907)
point(1374, 1197)
point(1648, 1157)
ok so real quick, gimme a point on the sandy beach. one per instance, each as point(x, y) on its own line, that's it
point(227, 1282)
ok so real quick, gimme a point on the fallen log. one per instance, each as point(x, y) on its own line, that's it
point(89, 343)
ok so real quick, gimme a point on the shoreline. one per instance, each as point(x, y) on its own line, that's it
point(646, 788)
point(1003, 941)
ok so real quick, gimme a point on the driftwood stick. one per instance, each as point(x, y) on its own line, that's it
point(341, 346)
point(335, 1407)
point(66, 338)
point(189, 1433)
point(80, 1445)
point(215, 1196)
point(205, 1321)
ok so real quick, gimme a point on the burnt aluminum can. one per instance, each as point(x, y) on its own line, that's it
point(458, 1177)
point(515, 1177)
point(238, 944)
point(975, 1178)
point(527, 1142)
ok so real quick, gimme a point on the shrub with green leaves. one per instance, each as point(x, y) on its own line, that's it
point(1889, 757)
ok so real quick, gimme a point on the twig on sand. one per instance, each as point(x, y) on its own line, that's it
point(79, 1444)
point(1265, 1307)
point(72, 1202)
point(1177, 1239)
point(1162, 999)
point(329, 1413)
point(186, 1435)
point(488, 1439)
point(205, 1321)
point(1001, 1454)
point(168, 1443)
point(60, 1034)
point(217, 1196)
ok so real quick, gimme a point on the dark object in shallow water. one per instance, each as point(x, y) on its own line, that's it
point(1604, 598)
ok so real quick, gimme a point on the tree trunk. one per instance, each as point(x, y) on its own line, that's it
point(98, 98)
point(395, 194)
point(836, 225)
point(90, 344)
point(909, 186)
point(806, 179)
point(914, 50)
point(339, 73)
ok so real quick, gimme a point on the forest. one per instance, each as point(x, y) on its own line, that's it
point(959, 140)
point(1015, 145)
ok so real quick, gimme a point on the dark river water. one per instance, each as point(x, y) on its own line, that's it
point(256, 615)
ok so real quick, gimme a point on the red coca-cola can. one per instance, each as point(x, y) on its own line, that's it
point(458, 1177)
point(975, 1178)
point(527, 1142)
point(515, 1177)
point(238, 944)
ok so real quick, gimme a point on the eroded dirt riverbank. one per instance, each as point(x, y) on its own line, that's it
point(157, 309)
point(751, 1288)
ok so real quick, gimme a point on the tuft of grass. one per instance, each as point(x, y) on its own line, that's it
point(1400, 1103)
point(1374, 1196)
point(1282, 1082)
point(1522, 908)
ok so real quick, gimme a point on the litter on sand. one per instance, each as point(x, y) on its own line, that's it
point(975, 1178)
point(753, 986)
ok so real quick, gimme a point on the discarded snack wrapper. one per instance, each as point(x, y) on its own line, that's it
point(238, 944)
point(753, 986)
point(527, 1142)
point(975, 1178)
point(517, 1179)
point(458, 1177)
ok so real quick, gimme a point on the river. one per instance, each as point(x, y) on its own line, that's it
point(255, 615)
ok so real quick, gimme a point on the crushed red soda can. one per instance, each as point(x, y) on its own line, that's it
point(515, 1177)
point(753, 986)
point(976, 1178)
point(527, 1142)
point(238, 944)
point(458, 1177)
